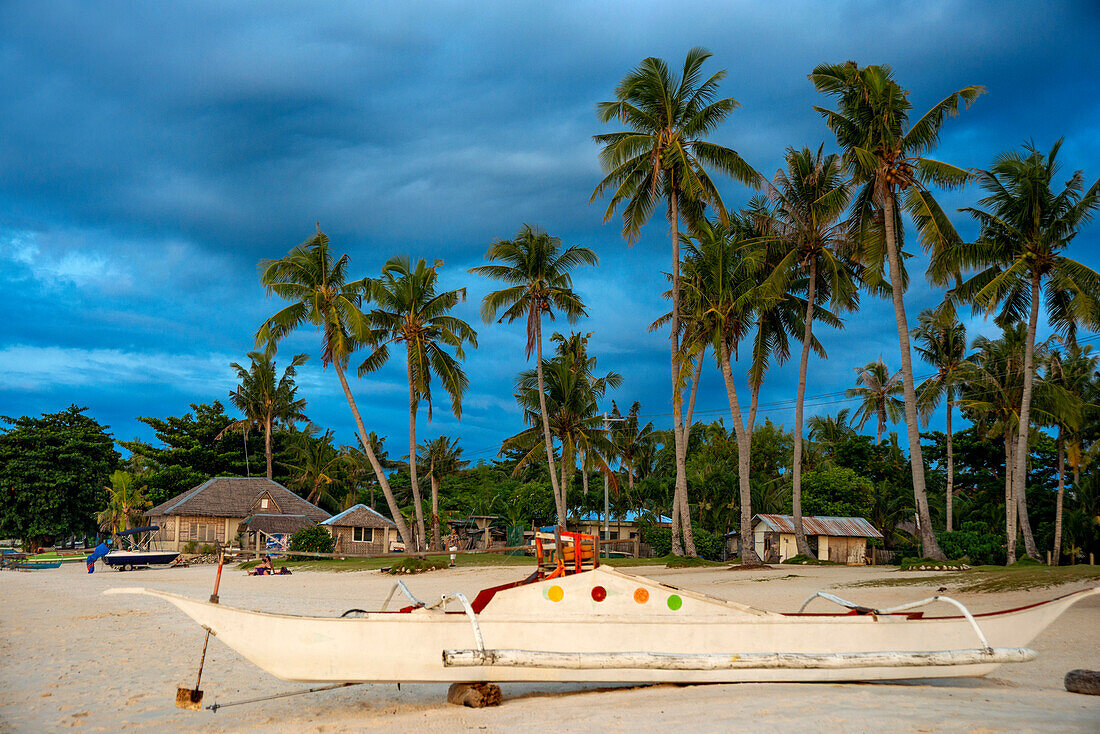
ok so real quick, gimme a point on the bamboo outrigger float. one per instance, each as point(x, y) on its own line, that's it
point(600, 625)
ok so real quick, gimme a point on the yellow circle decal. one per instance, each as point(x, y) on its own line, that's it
point(555, 593)
point(641, 595)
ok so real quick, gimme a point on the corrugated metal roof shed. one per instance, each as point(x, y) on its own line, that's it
point(838, 527)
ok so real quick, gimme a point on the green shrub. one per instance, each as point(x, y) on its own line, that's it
point(206, 549)
point(707, 544)
point(659, 539)
point(314, 539)
point(973, 541)
point(190, 547)
point(1027, 561)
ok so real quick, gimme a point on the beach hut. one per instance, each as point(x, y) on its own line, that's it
point(359, 529)
point(837, 539)
point(214, 511)
point(624, 526)
point(271, 532)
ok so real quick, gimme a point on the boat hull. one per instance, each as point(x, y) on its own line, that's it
point(410, 647)
point(122, 559)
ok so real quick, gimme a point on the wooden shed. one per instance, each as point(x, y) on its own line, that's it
point(837, 539)
point(359, 529)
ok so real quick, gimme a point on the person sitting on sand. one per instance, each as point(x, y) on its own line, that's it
point(266, 567)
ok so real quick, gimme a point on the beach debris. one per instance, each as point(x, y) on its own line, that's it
point(474, 695)
point(1083, 681)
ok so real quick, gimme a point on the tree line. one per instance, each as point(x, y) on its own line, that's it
point(826, 230)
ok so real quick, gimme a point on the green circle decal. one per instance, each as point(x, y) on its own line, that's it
point(675, 602)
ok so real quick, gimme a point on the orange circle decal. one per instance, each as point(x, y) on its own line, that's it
point(641, 595)
point(555, 593)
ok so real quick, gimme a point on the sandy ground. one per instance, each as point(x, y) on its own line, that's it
point(72, 658)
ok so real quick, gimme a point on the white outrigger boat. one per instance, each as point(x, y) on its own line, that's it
point(601, 625)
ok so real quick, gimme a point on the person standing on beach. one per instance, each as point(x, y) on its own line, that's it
point(452, 546)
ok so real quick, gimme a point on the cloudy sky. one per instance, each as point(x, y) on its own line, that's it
point(152, 153)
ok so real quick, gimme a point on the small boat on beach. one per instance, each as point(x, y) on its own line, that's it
point(139, 550)
point(600, 625)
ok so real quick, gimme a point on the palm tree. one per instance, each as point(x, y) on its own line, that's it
point(315, 465)
point(443, 457)
point(125, 503)
point(632, 443)
point(410, 311)
point(266, 399)
point(537, 272)
point(809, 235)
point(572, 392)
point(358, 469)
point(316, 285)
point(883, 155)
point(828, 431)
point(993, 390)
point(1072, 371)
point(941, 342)
point(662, 156)
point(879, 390)
point(1025, 226)
point(718, 305)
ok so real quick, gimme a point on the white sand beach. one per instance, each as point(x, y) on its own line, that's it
point(72, 658)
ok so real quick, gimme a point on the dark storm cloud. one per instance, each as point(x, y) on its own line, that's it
point(151, 154)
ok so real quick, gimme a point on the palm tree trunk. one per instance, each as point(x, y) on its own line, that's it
point(1025, 524)
point(421, 536)
point(694, 390)
point(744, 454)
point(1010, 504)
point(1055, 557)
point(880, 425)
point(677, 548)
point(679, 434)
point(1020, 473)
point(800, 542)
point(436, 535)
point(559, 502)
point(584, 472)
point(950, 459)
point(267, 446)
point(395, 513)
point(567, 468)
point(931, 548)
point(692, 394)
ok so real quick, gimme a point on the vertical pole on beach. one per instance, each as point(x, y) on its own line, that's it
point(606, 512)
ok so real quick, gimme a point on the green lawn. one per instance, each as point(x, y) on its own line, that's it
point(988, 579)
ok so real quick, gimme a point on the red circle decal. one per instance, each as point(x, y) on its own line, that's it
point(599, 593)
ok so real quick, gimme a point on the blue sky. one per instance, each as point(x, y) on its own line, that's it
point(151, 154)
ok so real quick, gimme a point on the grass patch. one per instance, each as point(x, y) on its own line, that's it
point(476, 560)
point(418, 565)
point(688, 562)
point(993, 579)
point(803, 560)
